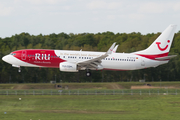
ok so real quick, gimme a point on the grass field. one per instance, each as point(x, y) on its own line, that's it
point(83, 107)
point(95, 101)
point(102, 85)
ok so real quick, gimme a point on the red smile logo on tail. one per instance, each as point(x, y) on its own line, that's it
point(162, 49)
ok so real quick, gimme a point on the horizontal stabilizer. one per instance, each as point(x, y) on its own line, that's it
point(165, 58)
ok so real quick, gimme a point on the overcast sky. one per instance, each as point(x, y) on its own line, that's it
point(92, 16)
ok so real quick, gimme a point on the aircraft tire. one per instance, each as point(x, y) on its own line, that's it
point(88, 74)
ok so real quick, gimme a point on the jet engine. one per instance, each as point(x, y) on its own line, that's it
point(68, 67)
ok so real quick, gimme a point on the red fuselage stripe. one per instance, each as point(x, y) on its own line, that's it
point(152, 57)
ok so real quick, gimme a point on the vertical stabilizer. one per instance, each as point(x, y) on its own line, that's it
point(162, 44)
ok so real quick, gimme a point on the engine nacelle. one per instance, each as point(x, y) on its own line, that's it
point(68, 67)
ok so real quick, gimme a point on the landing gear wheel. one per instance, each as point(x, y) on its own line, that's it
point(88, 74)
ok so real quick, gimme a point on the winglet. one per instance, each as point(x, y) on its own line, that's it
point(114, 50)
point(111, 48)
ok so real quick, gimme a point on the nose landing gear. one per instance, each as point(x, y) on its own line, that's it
point(19, 70)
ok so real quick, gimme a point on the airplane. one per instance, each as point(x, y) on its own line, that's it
point(73, 61)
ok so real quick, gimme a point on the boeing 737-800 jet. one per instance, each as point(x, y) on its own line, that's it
point(73, 61)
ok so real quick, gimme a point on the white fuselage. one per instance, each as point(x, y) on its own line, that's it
point(115, 61)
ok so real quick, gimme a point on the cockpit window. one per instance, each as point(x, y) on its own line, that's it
point(13, 54)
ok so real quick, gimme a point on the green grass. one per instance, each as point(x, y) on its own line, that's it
point(87, 107)
point(104, 85)
point(126, 104)
point(91, 92)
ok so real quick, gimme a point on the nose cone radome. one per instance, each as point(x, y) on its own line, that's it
point(5, 58)
point(10, 59)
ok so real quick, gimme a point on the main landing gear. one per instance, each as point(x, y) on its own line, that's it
point(88, 73)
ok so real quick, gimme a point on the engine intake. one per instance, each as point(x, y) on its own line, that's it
point(68, 67)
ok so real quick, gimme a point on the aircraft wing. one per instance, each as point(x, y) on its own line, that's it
point(96, 62)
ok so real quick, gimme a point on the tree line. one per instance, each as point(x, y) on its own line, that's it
point(87, 42)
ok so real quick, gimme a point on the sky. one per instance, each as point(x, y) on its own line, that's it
point(87, 16)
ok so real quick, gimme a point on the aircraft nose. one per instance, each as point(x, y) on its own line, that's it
point(5, 58)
